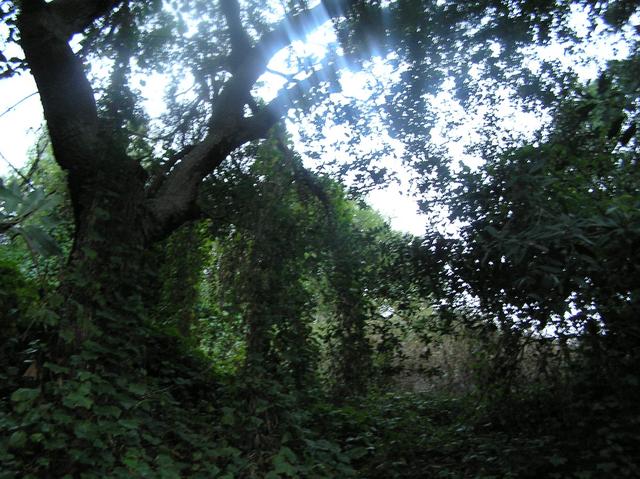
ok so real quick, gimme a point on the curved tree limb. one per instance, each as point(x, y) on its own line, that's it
point(177, 193)
point(77, 15)
point(66, 95)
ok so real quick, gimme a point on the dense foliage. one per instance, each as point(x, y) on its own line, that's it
point(185, 296)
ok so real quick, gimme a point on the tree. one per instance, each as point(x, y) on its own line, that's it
point(123, 197)
point(118, 210)
point(548, 228)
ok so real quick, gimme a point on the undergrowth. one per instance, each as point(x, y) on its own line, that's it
point(135, 401)
point(531, 434)
point(119, 409)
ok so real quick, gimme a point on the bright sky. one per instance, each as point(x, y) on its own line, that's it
point(19, 124)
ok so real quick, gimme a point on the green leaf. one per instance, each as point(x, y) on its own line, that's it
point(10, 197)
point(85, 430)
point(137, 388)
point(228, 418)
point(357, 452)
point(225, 452)
point(25, 394)
point(18, 440)
point(40, 241)
point(79, 398)
point(129, 423)
point(61, 418)
point(282, 462)
point(107, 411)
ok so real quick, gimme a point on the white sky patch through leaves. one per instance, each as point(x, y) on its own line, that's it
point(22, 119)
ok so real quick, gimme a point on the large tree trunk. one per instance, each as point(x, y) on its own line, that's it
point(106, 186)
point(104, 271)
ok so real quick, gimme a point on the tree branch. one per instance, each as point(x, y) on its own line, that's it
point(66, 95)
point(12, 107)
point(240, 43)
point(76, 15)
point(248, 68)
point(263, 119)
point(79, 145)
point(176, 196)
point(304, 177)
point(292, 27)
point(15, 170)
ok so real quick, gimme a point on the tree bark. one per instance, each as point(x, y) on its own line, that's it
point(105, 185)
